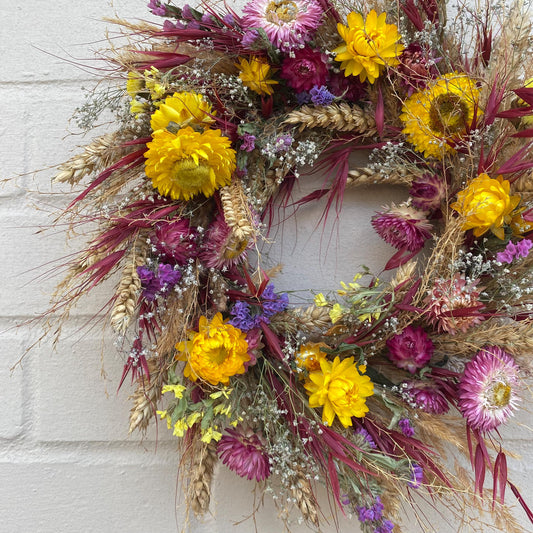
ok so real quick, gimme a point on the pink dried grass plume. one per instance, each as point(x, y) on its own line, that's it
point(403, 227)
point(488, 390)
point(411, 349)
point(242, 451)
point(453, 305)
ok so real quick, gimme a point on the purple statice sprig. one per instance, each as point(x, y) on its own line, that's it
point(514, 251)
point(372, 517)
point(405, 427)
point(320, 96)
point(159, 282)
point(247, 316)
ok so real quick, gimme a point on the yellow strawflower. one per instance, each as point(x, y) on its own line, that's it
point(486, 204)
point(309, 355)
point(255, 74)
point(341, 388)
point(215, 352)
point(186, 163)
point(183, 109)
point(442, 112)
point(369, 46)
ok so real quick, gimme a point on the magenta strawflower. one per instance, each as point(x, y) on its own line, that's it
point(220, 247)
point(403, 227)
point(488, 390)
point(411, 349)
point(427, 192)
point(426, 396)
point(242, 451)
point(287, 23)
point(176, 240)
point(305, 69)
point(453, 305)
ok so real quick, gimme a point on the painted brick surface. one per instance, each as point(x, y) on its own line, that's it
point(67, 463)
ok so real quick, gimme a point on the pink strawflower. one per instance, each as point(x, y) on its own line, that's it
point(176, 240)
point(427, 192)
point(426, 396)
point(403, 227)
point(220, 247)
point(411, 349)
point(242, 451)
point(305, 70)
point(488, 389)
point(453, 305)
point(287, 23)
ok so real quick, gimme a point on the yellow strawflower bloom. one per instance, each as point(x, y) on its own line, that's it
point(255, 74)
point(368, 46)
point(442, 112)
point(215, 352)
point(186, 163)
point(183, 109)
point(486, 204)
point(341, 389)
point(309, 355)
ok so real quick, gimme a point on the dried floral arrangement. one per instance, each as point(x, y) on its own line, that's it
point(219, 115)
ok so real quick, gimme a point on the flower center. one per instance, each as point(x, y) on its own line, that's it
point(189, 174)
point(448, 114)
point(217, 353)
point(498, 395)
point(234, 248)
point(281, 12)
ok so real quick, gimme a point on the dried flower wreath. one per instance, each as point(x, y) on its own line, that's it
point(361, 390)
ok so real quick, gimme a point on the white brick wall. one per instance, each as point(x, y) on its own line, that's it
point(66, 461)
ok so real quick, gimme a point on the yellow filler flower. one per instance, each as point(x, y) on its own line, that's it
point(341, 389)
point(186, 163)
point(368, 46)
point(255, 74)
point(215, 352)
point(440, 113)
point(486, 205)
point(183, 109)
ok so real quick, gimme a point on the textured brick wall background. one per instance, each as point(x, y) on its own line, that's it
point(67, 463)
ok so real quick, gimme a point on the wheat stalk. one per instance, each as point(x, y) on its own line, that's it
point(358, 177)
point(340, 117)
point(128, 288)
point(305, 500)
point(313, 318)
point(95, 156)
point(204, 459)
point(146, 396)
point(237, 213)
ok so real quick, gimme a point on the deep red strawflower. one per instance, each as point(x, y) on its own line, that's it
point(411, 349)
point(488, 390)
point(416, 68)
point(426, 396)
point(305, 70)
point(242, 451)
point(403, 227)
